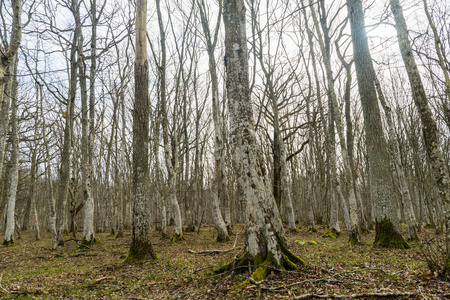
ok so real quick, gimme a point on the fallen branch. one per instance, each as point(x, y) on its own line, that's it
point(354, 296)
point(206, 252)
point(1, 287)
point(327, 278)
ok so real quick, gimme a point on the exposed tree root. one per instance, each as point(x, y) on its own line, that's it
point(311, 230)
point(289, 261)
point(177, 237)
point(332, 234)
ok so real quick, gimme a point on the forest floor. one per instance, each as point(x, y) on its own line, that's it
point(29, 269)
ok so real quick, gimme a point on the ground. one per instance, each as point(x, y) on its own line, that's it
point(29, 269)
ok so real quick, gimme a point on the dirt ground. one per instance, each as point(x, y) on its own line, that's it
point(29, 269)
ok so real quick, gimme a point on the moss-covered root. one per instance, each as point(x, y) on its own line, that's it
point(354, 239)
point(139, 252)
point(89, 242)
point(386, 236)
point(295, 230)
point(288, 262)
point(178, 237)
point(311, 230)
point(332, 234)
point(8, 243)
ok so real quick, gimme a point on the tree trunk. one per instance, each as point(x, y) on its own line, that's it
point(265, 241)
point(141, 247)
point(387, 225)
point(10, 213)
point(219, 194)
point(170, 160)
point(64, 171)
point(429, 126)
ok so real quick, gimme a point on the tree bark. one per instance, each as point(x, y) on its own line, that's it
point(141, 247)
point(429, 126)
point(387, 224)
point(265, 241)
point(14, 171)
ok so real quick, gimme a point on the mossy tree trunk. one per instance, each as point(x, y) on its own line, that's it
point(380, 173)
point(141, 247)
point(429, 126)
point(265, 241)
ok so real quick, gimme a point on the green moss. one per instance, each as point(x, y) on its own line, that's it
point(300, 242)
point(386, 236)
point(312, 242)
point(354, 239)
point(243, 260)
point(311, 230)
point(332, 234)
point(8, 243)
point(295, 230)
point(140, 251)
point(178, 237)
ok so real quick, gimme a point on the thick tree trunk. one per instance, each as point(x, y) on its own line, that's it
point(387, 224)
point(397, 162)
point(141, 247)
point(265, 241)
point(429, 126)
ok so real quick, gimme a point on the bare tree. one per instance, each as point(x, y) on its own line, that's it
point(387, 224)
point(141, 247)
point(265, 241)
point(429, 126)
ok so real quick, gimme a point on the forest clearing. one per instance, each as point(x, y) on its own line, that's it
point(31, 270)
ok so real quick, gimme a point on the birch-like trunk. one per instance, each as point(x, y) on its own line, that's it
point(170, 160)
point(219, 194)
point(14, 175)
point(387, 224)
point(7, 66)
point(429, 126)
point(265, 240)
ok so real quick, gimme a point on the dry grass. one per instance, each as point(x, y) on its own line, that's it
point(30, 269)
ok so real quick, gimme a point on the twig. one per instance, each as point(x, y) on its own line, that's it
point(205, 252)
point(354, 296)
point(1, 287)
point(420, 291)
point(327, 278)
